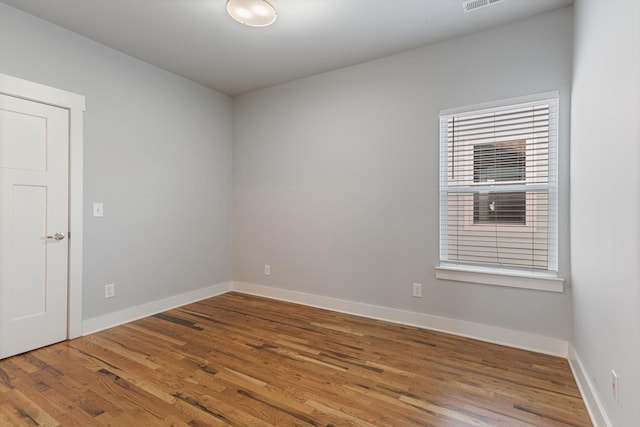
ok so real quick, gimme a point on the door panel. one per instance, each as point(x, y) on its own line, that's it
point(33, 205)
point(24, 140)
point(29, 212)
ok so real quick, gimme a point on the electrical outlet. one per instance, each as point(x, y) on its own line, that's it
point(109, 290)
point(98, 210)
point(417, 290)
point(615, 386)
point(267, 270)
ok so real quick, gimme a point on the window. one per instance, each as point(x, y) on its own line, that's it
point(498, 187)
point(499, 162)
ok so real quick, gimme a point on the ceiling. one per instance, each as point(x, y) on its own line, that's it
point(198, 40)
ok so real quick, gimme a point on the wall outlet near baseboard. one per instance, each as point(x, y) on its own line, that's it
point(615, 386)
point(417, 290)
point(109, 290)
point(267, 270)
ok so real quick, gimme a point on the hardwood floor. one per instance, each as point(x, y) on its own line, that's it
point(241, 360)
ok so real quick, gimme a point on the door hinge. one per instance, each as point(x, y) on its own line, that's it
point(69, 235)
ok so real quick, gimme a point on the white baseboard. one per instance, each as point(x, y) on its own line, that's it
point(110, 320)
point(588, 391)
point(493, 334)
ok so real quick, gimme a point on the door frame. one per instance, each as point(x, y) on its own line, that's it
point(75, 103)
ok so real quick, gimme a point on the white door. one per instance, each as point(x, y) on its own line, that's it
point(34, 153)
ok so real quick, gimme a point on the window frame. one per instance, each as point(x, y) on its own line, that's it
point(500, 275)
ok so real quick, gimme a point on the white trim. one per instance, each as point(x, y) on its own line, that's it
point(31, 91)
point(510, 279)
point(492, 334)
point(509, 102)
point(130, 314)
point(590, 397)
point(76, 191)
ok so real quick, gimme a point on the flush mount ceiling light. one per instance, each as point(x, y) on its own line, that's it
point(255, 13)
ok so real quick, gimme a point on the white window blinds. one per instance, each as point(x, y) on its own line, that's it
point(498, 187)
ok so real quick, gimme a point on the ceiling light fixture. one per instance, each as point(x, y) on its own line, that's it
point(254, 13)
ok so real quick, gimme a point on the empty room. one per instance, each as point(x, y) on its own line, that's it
point(320, 212)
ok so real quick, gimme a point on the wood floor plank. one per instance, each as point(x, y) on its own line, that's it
point(241, 360)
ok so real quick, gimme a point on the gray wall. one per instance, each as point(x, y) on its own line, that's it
point(335, 176)
point(605, 200)
point(157, 154)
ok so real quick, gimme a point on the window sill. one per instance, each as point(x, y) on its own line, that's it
point(541, 282)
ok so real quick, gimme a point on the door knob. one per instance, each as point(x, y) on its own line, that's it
point(57, 236)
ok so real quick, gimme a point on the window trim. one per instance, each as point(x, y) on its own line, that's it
point(501, 277)
point(547, 280)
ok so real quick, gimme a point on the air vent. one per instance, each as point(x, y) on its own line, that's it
point(471, 5)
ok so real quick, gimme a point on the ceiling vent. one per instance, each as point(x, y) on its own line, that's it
point(471, 5)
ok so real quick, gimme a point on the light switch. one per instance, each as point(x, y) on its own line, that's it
point(98, 209)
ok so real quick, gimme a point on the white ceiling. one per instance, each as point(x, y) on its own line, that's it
point(198, 40)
